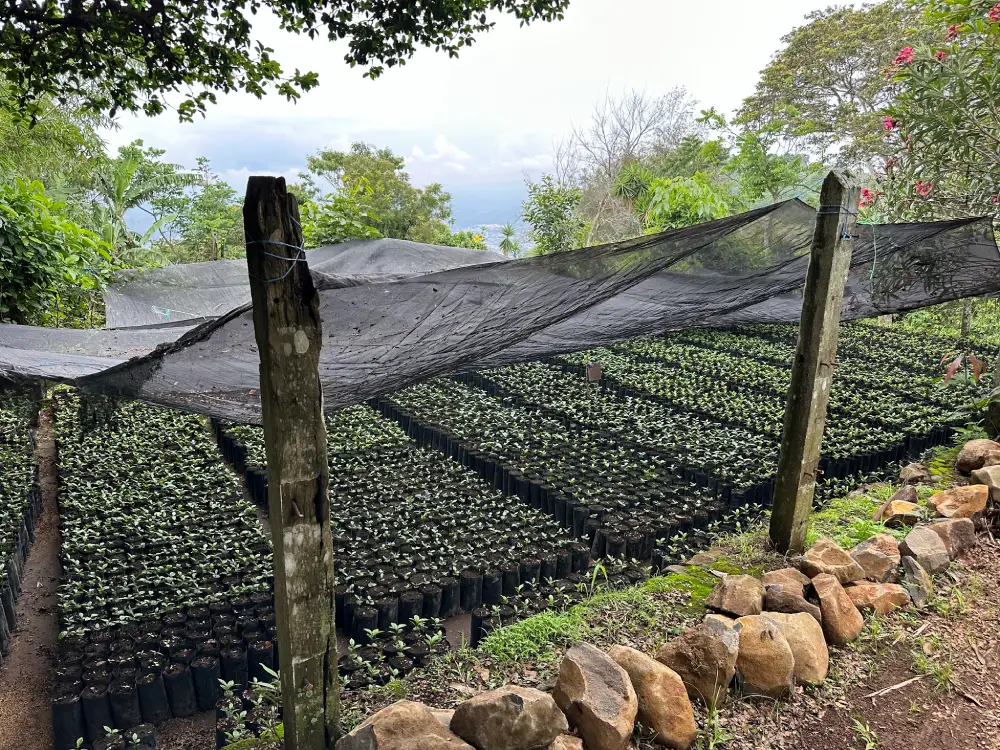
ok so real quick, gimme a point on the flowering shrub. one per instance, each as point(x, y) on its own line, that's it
point(905, 56)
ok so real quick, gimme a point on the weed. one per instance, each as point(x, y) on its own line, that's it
point(865, 733)
point(714, 735)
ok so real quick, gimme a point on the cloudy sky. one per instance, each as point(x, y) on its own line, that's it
point(482, 123)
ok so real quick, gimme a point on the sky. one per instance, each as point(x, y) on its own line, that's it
point(482, 123)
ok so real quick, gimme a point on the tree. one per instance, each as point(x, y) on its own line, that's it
point(634, 127)
point(207, 222)
point(764, 168)
point(551, 210)
point(691, 155)
point(827, 87)
point(338, 217)
point(674, 202)
point(130, 55)
point(134, 179)
point(509, 245)
point(943, 125)
point(50, 267)
point(59, 149)
point(376, 179)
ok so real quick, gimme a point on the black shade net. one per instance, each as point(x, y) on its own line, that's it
point(387, 325)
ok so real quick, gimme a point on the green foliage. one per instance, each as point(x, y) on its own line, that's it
point(762, 170)
point(135, 56)
point(692, 155)
point(204, 224)
point(943, 124)
point(827, 86)
point(683, 201)
point(551, 210)
point(466, 238)
point(58, 149)
point(49, 265)
point(509, 246)
point(338, 217)
point(136, 178)
point(377, 181)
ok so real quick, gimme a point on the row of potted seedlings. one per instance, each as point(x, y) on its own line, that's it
point(733, 455)
point(166, 574)
point(20, 504)
point(418, 538)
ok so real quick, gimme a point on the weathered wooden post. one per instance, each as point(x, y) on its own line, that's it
point(812, 369)
point(288, 330)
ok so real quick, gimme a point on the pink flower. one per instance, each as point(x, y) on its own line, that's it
point(952, 32)
point(905, 56)
point(996, 200)
point(994, 14)
point(923, 188)
point(867, 197)
point(888, 122)
point(940, 54)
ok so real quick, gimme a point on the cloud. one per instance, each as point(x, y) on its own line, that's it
point(492, 115)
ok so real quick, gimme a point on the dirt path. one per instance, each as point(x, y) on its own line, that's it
point(26, 675)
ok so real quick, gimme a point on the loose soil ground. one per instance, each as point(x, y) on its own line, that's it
point(955, 705)
point(26, 675)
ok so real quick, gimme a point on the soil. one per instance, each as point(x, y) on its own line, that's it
point(26, 675)
point(194, 733)
point(961, 714)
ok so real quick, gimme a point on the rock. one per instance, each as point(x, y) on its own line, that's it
point(805, 638)
point(737, 596)
point(791, 580)
point(597, 697)
point(566, 742)
point(765, 662)
point(905, 494)
point(927, 548)
point(443, 715)
point(917, 582)
point(705, 558)
point(722, 619)
point(882, 598)
point(958, 534)
point(511, 718)
point(842, 622)
point(961, 502)
point(900, 515)
point(976, 454)
point(664, 707)
point(826, 556)
point(879, 557)
point(705, 659)
point(989, 476)
point(405, 725)
point(776, 599)
point(915, 473)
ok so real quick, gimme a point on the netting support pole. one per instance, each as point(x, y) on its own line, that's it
point(287, 325)
point(812, 369)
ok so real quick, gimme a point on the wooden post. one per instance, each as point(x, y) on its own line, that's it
point(812, 369)
point(287, 326)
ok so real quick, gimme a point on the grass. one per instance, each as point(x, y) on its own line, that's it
point(848, 520)
point(605, 613)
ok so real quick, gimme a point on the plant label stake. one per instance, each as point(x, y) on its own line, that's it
point(594, 372)
point(288, 331)
point(812, 369)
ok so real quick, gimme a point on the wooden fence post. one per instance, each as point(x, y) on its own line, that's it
point(812, 369)
point(288, 331)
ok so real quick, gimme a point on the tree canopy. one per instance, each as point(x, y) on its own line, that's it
point(827, 87)
point(132, 55)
